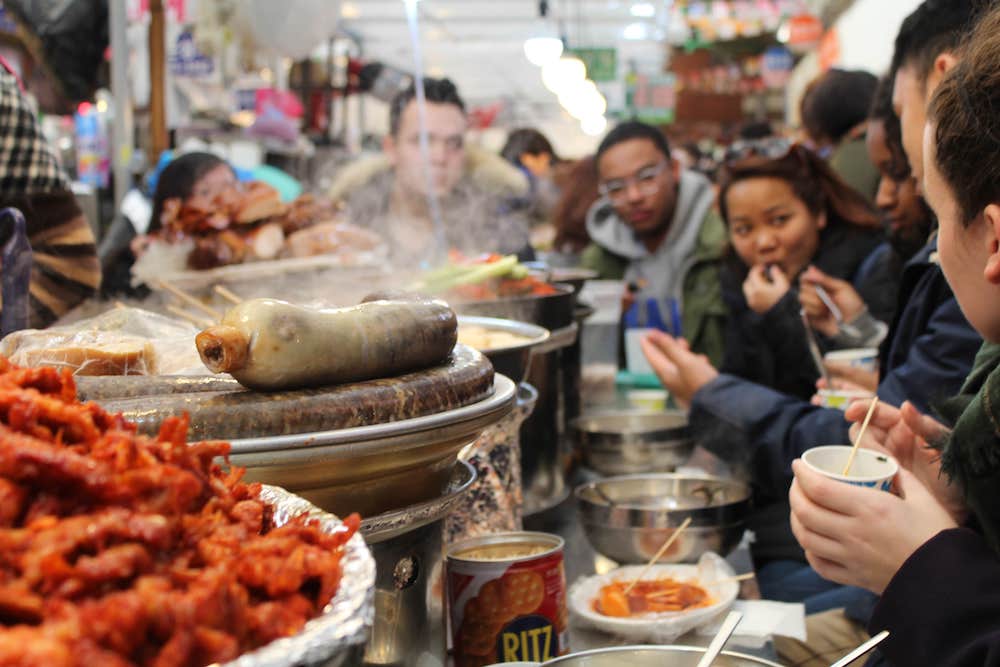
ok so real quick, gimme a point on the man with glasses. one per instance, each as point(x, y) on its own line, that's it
point(656, 228)
point(476, 192)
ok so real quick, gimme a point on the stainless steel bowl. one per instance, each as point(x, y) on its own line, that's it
point(512, 360)
point(628, 518)
point(655, 656)
point(624, 442)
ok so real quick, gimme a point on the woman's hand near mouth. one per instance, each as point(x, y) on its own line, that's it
point(762, 294)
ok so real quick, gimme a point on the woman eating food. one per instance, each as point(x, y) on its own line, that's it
point(784, 214)
point(932, 550)
point(929, 351)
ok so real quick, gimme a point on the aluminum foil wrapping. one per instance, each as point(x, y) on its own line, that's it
point(334, 636)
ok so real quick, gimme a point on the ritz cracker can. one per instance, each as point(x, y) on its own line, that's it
point(507, 598)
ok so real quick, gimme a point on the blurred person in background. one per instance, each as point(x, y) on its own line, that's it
point(834, 113)
point(477, 191)
point(194, 179)
point(655, 227)
point(66, 270)
point(579, 185)
point(530, 151)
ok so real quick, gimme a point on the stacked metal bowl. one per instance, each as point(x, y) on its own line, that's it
point(628, 518)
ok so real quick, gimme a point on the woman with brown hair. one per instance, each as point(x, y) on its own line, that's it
point(784, 214)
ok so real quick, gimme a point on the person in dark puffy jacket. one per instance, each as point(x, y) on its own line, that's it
point(933, 550)
point(926, 356)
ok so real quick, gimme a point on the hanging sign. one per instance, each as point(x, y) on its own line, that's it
point(776, 66)
point(602, 63)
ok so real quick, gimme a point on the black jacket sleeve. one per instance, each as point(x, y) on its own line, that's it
point(943, 606)
point(770, 348)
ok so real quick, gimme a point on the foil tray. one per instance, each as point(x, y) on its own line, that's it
point(338, 635)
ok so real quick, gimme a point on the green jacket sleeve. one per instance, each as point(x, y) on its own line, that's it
point(704, 309)
point(608, 265)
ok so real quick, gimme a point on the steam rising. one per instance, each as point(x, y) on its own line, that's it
point(438, 251)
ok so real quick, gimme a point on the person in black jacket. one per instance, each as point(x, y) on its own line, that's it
point(784, 214)
point(908, 224)
point(927, 354)
point(940, 583)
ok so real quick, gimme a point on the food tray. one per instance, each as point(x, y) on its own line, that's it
point(356, 266)
point(336, 637)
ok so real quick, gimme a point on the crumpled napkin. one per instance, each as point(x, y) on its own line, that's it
point(761, 620)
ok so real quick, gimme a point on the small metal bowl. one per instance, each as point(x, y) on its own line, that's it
point(628, 518)
point(624, 442)
point(513, 360)
point(655, 656)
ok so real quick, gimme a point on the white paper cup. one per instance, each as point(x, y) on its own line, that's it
point(841, 398)
point(870, 468)
point(635, 360)
point(858, 357)
point(653, 400)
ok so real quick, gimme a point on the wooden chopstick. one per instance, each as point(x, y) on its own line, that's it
point(190, 300)
point(656, 556)
point(229, 296)
point(193, 319)
point(857, 441)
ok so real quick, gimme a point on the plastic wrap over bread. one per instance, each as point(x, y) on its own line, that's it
point(121, 341)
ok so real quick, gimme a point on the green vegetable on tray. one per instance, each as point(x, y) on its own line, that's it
point(450, 276)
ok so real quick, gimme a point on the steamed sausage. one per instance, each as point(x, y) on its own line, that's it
point(269, 345)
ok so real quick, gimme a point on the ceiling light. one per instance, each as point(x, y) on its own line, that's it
point(349, 10)
point(644, 10)
point(594, 126)
point(635, 31)
point(583, 100)
point(563, 73)
point(541, 51)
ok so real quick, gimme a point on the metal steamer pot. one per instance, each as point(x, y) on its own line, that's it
point(546, 457)
point(376, 468)
point(406, 545)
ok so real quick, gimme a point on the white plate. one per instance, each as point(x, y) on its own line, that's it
point(658, 627)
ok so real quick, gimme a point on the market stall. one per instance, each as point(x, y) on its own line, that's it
point(425, 435)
